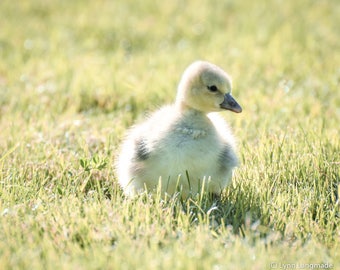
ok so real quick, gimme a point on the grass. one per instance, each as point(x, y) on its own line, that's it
point(74, 75)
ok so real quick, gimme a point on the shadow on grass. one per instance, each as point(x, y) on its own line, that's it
point(234, 212)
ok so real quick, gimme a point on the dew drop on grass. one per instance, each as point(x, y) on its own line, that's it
point(285, 85)
point(5, 212)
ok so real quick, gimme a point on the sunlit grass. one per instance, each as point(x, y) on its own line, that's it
point(74, 75)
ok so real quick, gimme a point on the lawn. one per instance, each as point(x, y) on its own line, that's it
point(75, 75)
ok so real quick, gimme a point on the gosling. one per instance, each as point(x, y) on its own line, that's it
point(185, 147)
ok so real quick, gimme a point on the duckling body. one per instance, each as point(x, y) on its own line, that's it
point(182, 146)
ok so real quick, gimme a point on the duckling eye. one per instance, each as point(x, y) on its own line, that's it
point(213, 88)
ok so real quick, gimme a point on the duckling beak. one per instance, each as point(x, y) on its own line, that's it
point(229, 103)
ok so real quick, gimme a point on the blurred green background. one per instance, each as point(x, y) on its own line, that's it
point(74, 75)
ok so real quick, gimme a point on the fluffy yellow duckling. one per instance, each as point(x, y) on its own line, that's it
point(186, 146)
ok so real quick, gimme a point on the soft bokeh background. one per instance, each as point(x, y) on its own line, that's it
point(74, 75)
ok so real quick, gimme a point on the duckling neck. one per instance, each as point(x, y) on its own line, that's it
point(184, 109)
point(190, 112)
point(193, 122)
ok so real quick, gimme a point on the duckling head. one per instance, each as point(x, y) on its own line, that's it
point(206, 88)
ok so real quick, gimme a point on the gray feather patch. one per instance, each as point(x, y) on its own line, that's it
point(227, 159)
point(142, 152)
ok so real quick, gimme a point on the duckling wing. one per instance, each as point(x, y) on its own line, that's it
point(142, 153)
